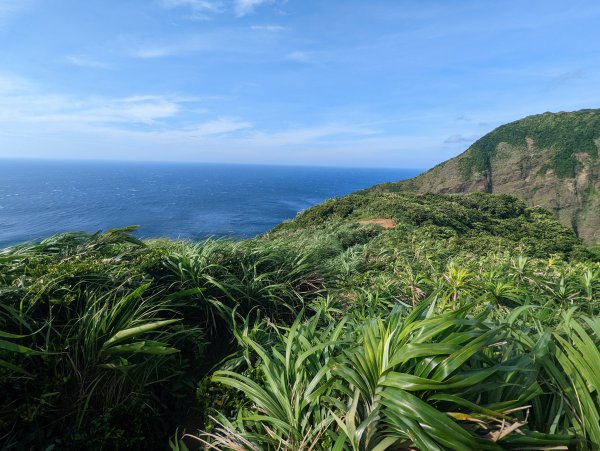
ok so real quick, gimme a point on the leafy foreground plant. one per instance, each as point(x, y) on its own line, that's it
point(103, 338)
point(114, 351)
point(575, 372)
point(421, 378)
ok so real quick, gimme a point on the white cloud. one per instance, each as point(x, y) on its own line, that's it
point(84, 61)
point(187, 45)
point(28, 115)
point(155, 52)
point(67, 111)
point(270, 28)
point(22, 102)
point(240, 7)
point(127, 111)
point(148, 127)
point(299, 57)
point(9, 8)
point(310, 145)
point(197, 5)
point(305, 135)
point(458, 138)
point(219, 127)
point(62, 125)
point(13, 84)
point(223, 41)
point(35, 123)
point(244, 7)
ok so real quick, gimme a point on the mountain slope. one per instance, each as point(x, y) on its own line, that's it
point(475, 223)
point(548, 160)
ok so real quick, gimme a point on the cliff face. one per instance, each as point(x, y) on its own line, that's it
point(549, 160)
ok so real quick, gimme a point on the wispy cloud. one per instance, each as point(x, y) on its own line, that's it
point(67, 111)
point(300, 56)
point(306, 135)
point(211, 6)
point(459, 139)
point(227, 136)
point(203, 8)
point(85, 61)
point(179, 46)
point(564, 78)
point(270, 28)
point(11, 84)
point(155, 52)
point(9, 8)
point(22, 102)
point(244, 7)
point(230, 40)
point(219, 127)
point(128, 110)
point(153, 122)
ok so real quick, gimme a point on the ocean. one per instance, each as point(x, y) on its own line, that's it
point(175, 200)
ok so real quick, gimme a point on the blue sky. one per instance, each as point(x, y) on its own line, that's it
point(332, 82)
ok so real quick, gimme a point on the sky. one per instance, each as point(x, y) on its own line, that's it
point(380, 83)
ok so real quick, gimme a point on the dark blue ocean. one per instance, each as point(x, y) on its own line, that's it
point(176, 200)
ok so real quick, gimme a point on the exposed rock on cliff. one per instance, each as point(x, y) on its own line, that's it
point(549, 160)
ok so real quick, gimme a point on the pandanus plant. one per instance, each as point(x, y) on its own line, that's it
point(420, 378)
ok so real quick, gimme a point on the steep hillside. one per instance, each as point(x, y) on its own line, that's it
point(548, 160)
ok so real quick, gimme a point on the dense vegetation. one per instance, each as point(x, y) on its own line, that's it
point(548, 160)
point(566, 134)
point(466, 323)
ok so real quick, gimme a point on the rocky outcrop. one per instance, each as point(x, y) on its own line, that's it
point(530, 159)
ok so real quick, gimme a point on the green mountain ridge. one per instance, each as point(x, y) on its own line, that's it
point(548, 160)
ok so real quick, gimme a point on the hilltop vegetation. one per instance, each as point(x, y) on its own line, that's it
point(474, 222)
point(468, 322)
point(565, 134)
point(548, 160)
